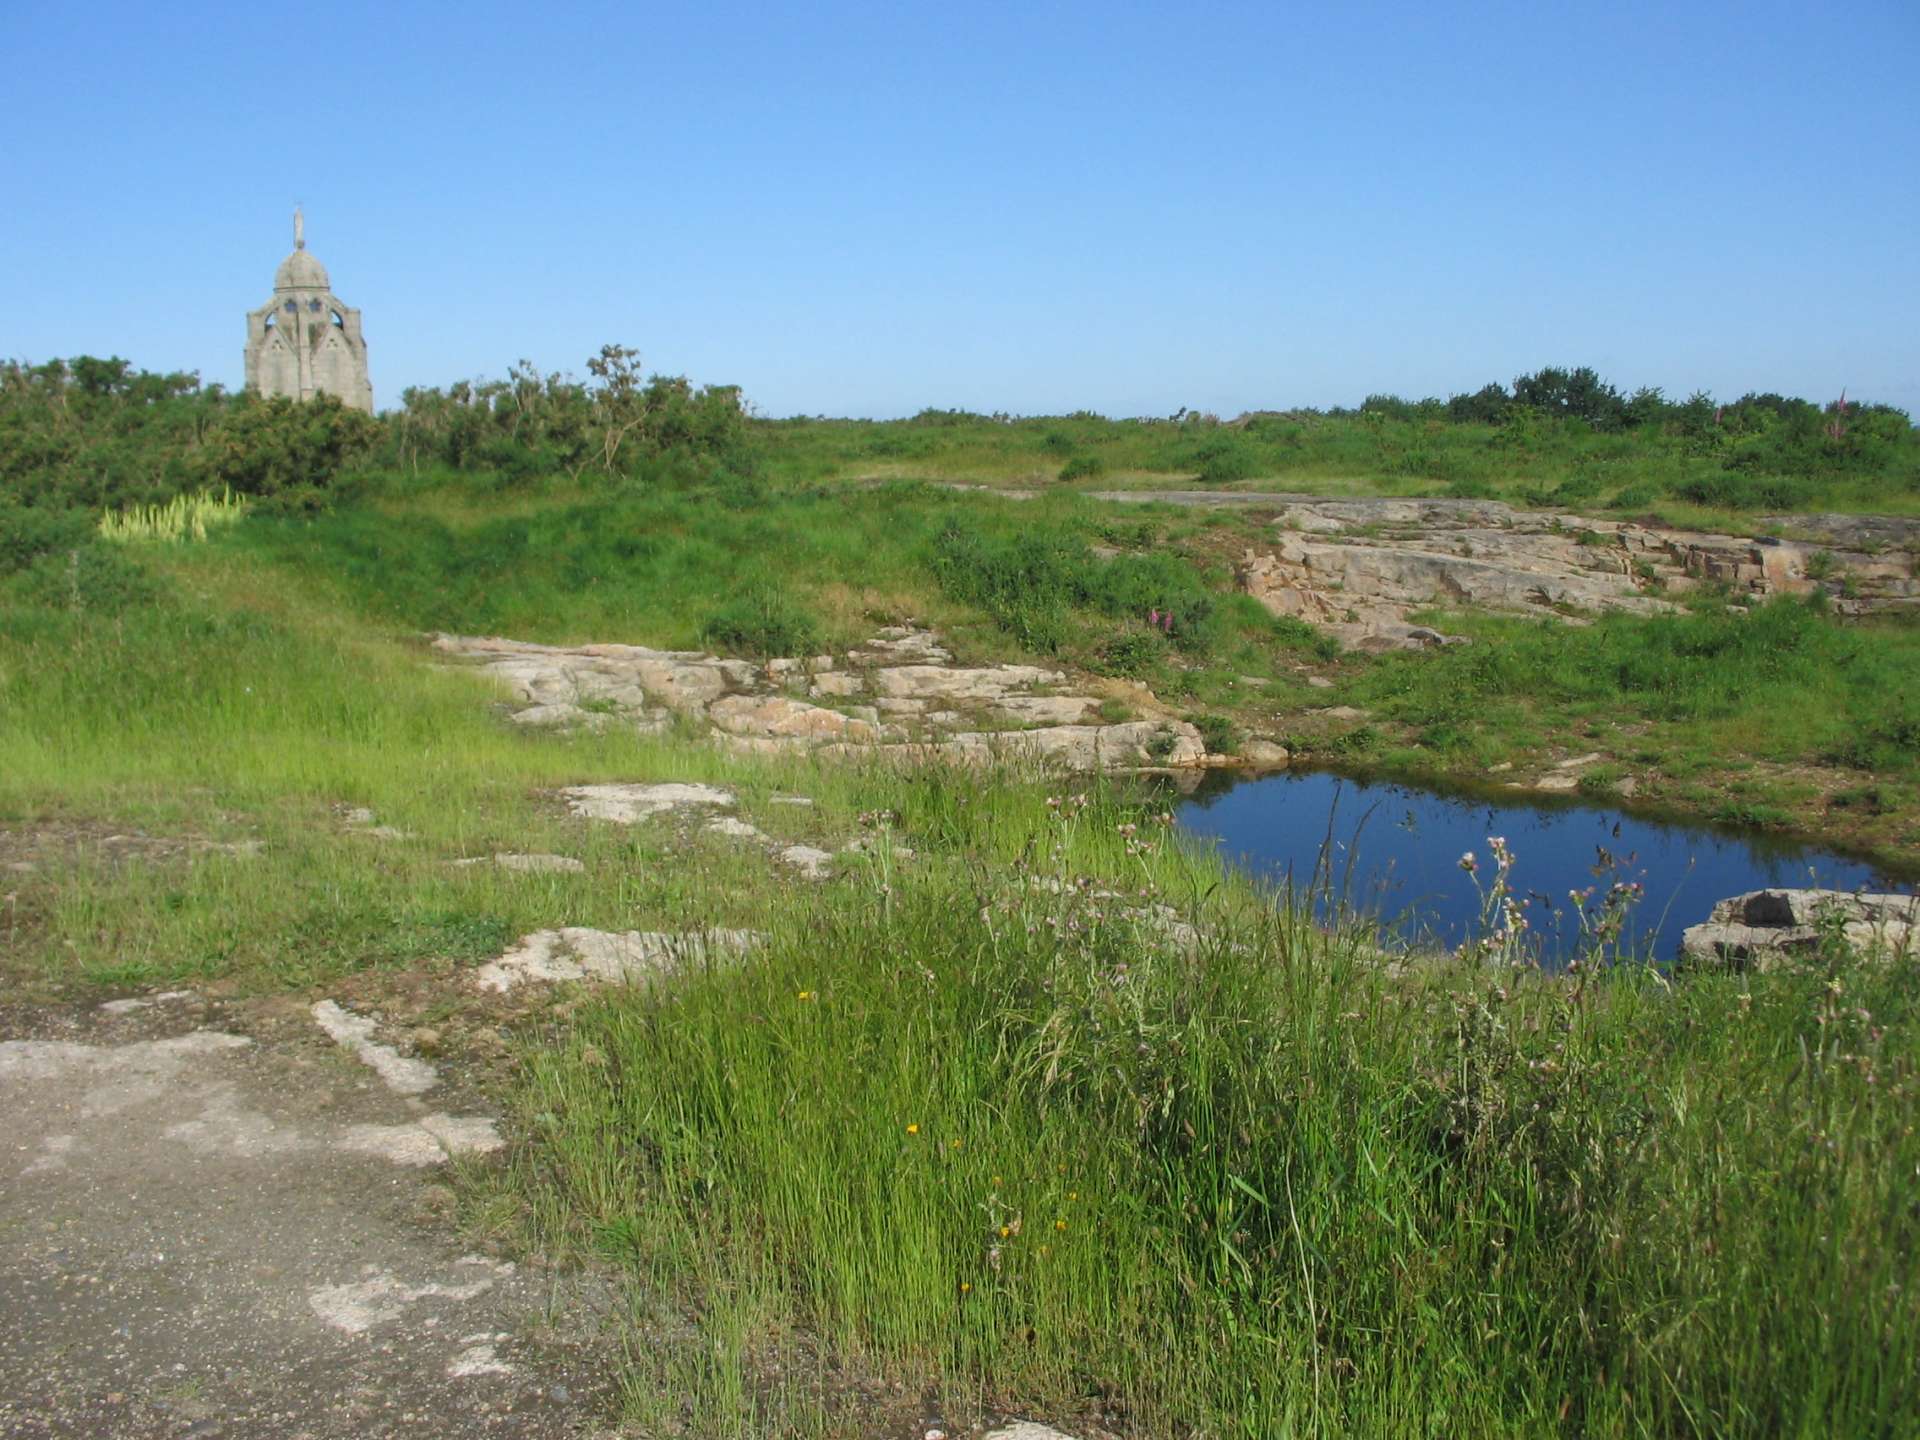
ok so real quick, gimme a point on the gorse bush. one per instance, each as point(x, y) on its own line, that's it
point(288, 451)
point(93, 433)
point(96, 433)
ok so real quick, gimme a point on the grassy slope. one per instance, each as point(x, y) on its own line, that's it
point(1261, 1187)
point(1277, 1188)
point(1566, 465)
point(1799, 723)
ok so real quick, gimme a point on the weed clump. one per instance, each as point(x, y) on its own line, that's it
point(763, 622)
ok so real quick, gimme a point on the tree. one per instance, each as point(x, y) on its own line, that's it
point(1578, 394)
point(1486, 406)
point(619, 403)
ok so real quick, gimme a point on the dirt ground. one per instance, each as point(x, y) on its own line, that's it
point(211, 1232)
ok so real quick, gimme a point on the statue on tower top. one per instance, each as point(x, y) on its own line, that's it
point(299, 229)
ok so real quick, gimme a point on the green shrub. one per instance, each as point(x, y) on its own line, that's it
point(94, 578)
point(762, 622)
point(1218, 733)
point(289, 451)
point(1083, 467)
point(29, 531)
point(1026, 584)
point(1031, 584)
point(1730, 490)
point(1224, 460)
point(1135, 655)
point(1890, 741)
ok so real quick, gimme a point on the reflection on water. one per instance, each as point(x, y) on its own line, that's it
point(1392, 851)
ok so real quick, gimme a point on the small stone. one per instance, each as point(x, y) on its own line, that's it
point(732, 829)
point(810, 861)
point(1264, 754)
point(530, 863)
point(626, 804)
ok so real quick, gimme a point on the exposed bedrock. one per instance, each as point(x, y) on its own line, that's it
point(1359, 568)
point(898, 694)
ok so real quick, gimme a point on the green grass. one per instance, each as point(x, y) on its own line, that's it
point(1706, 693)
point(1011, 1147)
point(1282, 1188)
point(1710, 481)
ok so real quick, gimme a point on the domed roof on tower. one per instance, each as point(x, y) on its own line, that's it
point(300, 271)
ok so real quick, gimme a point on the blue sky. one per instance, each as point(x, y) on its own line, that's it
point(866, 209)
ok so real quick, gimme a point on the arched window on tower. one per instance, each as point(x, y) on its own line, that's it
point(339, 323)
point(271, 321)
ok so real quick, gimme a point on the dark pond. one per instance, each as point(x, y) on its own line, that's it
point(1392, 852)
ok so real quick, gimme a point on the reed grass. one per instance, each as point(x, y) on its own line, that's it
point(185, 517)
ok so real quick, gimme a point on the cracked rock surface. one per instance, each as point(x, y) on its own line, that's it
point(899, 693)
point(1359, 568)
point(1775, 929)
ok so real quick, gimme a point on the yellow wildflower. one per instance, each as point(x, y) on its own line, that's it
point(913, 1129)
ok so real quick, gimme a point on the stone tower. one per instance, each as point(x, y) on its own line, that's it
point(304, 341)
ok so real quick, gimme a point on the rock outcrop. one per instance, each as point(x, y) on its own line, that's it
point(1359, 568)
point(899, 693)
point(629, 957)
point(1773, 929)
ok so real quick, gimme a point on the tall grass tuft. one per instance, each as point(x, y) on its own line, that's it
point(185, 517)
point(1253, 1182)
